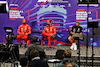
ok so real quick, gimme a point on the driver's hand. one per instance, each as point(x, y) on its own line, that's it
point(80, 33)
point(22, 33)
point(46, 29)
point(51, 34)
point(26, 33)
point(76, 33)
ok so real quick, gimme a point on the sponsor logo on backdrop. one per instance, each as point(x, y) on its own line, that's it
point(81, 15)
point(60, 1)
point(14, 13)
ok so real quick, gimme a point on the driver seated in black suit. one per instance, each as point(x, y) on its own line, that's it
point(76, 29)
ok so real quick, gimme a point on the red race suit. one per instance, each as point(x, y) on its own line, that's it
point(24, 28)
point(47, 33)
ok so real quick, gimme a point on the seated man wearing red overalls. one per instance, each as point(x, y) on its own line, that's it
point(23, 32)
point(49, 32)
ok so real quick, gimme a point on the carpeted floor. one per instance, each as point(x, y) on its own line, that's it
point(53, 50)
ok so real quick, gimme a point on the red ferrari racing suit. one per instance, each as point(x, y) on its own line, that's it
point(24, 28)
point(47, 33)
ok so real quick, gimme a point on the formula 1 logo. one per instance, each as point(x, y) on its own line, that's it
point(44, 0)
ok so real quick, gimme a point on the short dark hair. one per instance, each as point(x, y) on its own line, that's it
point(23, 61)
point(77, 22)
point(67, 54)
point(67, 60)
point(34, 53)
point(35, 39)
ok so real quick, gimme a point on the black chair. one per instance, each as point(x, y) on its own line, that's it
point(59, 54)
point(58, 57)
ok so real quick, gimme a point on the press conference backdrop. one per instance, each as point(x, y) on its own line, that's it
point(64, 14)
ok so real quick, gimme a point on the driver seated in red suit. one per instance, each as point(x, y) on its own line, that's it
point(23, 32)
point(49, 32)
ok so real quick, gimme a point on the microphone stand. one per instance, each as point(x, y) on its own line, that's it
point(78, 52)
point(92, 47)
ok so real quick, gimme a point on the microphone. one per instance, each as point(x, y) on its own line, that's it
point(25, 31)
point(47, 25)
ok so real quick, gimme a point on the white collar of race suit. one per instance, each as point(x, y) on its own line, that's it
point(35, 58)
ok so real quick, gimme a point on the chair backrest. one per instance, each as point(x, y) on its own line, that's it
point(59, 54)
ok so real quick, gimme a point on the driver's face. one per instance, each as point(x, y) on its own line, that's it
point(23, 21)
point(77, 24)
